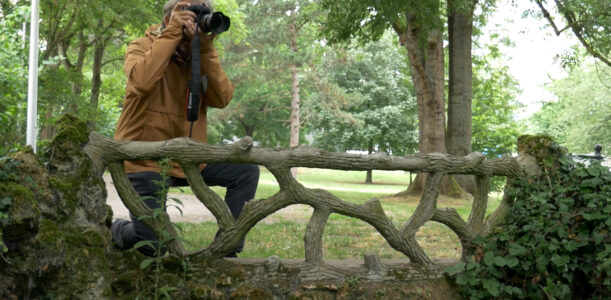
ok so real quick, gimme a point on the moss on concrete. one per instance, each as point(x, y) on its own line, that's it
point(23, 206)
point(541, 146)
point(62, 252)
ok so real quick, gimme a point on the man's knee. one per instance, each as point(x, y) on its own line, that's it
point(252, 171)
point(252, 176)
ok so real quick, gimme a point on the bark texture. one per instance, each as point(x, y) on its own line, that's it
point(279, 161)
point(424, 46)
point(295, 111)
point(58, 240)
point(458, 137)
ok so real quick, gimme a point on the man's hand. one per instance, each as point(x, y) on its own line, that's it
point(184, 18)
point(206, 38)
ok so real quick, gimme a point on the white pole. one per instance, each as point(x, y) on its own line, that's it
point(33, 79)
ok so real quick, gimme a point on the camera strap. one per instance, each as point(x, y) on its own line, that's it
point(195, 84)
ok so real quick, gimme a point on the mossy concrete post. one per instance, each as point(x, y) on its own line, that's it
point(56, 223)
point(536, 154)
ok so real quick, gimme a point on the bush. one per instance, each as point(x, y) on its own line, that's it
point(554, 244)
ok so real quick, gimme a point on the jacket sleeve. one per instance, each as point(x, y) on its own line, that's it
point(220, 88)
point(145, 62)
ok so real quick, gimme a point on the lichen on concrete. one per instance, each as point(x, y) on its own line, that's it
point(57, 222)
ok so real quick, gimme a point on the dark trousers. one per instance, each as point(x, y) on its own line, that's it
point(240, 180)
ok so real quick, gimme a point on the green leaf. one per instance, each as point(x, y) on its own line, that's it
point(573, 245)
point(516, 249)
point(178, 208)
point(144, 243)
point(499, 261)
point(492, 286)
point(542, 262)
point(465, 278)
point(472, 265)
point(457, 268)
point(512, 290)
point(145, 263)
point(489, 258)
point(165, 290)
point(560, 260)
point(511, 261)
point(176, 200)
point(594, 172)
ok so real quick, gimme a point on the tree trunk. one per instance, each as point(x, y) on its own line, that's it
point(424, 46)
point(48, 130)
point(96, 82)
point(76, 68)
point(294, 135)
point(249, 130)
point(369, 178)
point(425, 52)
point(458, 139)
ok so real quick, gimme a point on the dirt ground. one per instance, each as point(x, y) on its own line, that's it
point(194, 211)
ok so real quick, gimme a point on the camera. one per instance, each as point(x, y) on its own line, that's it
point(215, 22)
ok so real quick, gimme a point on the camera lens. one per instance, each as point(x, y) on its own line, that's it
point(218, 22)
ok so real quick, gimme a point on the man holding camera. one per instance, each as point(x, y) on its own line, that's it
point(158, 70)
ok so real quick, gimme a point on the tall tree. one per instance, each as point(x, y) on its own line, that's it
point(419, 27)
point(76, 36)
point(266, 68)
point(299, 16)
point(262, 85)
point(460, 31)
point(362, 102)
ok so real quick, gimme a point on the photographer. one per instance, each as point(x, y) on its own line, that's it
point(158, 70)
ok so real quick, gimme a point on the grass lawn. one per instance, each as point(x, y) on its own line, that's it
point(344, 237)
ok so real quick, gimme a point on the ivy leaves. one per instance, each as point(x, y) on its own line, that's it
point(554, 244)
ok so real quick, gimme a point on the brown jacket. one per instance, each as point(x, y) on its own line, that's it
point(156, 92)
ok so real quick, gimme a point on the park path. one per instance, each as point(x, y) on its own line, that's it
point(194, 211)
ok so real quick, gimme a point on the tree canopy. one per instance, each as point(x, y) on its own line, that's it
point(580, 117)
point(375, 108)
point(589, 21)
point(82, 46)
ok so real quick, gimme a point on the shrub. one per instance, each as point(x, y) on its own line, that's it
point(554, 244)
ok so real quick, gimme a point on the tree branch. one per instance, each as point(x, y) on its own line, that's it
point(159, 223)
point(112, 60)
point(191, 151)
point(211, 200)
point(575, 27)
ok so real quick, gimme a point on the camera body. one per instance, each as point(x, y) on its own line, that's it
point(209, 22)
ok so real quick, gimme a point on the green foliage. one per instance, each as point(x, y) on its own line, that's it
point(13, 77)
point(581, 117)
point(260, 68)
point(494, 130)
point(555, 243)
point(368, 20)
point(588, 19)
point(73, 33)
point(164, 236)
point(365, 102)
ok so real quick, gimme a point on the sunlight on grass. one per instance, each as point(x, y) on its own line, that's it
point(344, 237)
